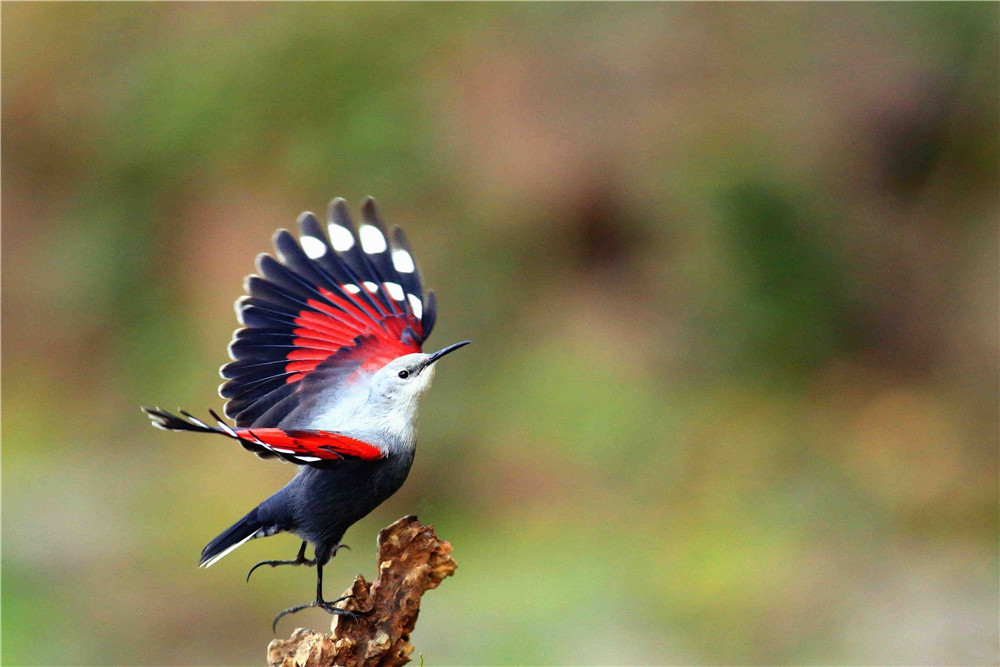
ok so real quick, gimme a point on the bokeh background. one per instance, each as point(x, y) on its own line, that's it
point(730, 272)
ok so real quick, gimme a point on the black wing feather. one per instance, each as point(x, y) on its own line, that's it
point(312, 301)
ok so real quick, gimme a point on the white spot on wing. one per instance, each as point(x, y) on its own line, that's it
point(199, 422)
point(395, 290)
point(353, 289)
point(341, 237)
point(415, 306)
point(308, 459)
point(371, 239)
point(402, 261)
point(313, 247)
point(372, 287)
point(229, 431)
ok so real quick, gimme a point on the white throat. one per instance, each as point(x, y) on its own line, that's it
point(380, 410)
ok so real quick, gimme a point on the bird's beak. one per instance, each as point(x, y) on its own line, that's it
point(440, 353)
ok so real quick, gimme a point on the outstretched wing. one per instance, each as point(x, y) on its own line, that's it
point(335, 302)
point(316, 448)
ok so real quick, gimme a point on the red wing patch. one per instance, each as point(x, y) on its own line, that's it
point(302, 447)
point(323, 329)
point(334, 295)
point(306, 445)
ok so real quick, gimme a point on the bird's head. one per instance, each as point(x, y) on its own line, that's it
point(396, 388)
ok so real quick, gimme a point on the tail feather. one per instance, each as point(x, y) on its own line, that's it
point(171, 422)
point(270, 517)
point(239, 533)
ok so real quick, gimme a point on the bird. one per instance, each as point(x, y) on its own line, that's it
point(327, 373)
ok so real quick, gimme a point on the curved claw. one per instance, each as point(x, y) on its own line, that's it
point(290, 610)
point(276, 563)
point(337, 611)
point(263, 562)
point(322, 604)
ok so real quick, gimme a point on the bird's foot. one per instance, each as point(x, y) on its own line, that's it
point(300, 559)
point(311, 562)
point(321, 604)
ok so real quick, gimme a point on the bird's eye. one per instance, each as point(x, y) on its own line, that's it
point(404, 374)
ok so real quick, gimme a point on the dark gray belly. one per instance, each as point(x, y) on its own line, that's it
point(328, 501)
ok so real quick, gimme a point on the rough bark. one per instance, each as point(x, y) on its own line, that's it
point(411, 561)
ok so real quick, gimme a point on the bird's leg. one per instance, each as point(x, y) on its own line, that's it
point(319, 602)
point(300, 559)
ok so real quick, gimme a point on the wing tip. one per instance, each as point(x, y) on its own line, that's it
point(337, 211)
point(278, 235)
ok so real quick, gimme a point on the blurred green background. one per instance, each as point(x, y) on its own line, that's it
point(730, 272)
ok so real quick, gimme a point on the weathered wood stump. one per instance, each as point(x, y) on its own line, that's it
point(411, 561)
